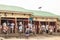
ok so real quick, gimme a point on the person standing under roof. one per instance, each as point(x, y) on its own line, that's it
point(33, 29)
point(43, 28)
point(5, 28)
point(47, 28)
point(20, 27)
point(12, 27)
point(50, 30)
point(27, 32)
point(9, 25)
point(30, 26)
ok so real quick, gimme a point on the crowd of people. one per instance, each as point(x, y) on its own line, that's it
point(31, 28)
point(48, 29)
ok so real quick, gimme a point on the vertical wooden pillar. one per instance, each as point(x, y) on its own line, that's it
point(15, 25)
point(34, 26)
point(23, 25)
point(56, 26)
point(0, 20)
point(0, 25)
point(48, 23)
point(39, 27)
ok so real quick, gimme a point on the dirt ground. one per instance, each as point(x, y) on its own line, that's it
point(38, 37)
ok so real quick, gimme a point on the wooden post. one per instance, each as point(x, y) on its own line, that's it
point(0, 25)
point(15, 25)
point(48, 22)
point(35, 26)
point(0, 19)
point(39, 27)
point(23, 25)
point(56, 26)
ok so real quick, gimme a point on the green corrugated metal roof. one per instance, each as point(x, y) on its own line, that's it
point(59, 17)
point(20, 9)
point(11, 8)
point(42, 13)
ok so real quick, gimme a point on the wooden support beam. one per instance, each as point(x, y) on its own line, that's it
point(0, 20)
point(56, 26)
point(39, 26)
point(16, 25)
point(48, 23)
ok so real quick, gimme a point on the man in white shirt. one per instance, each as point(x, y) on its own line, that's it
point(30, 26)
point(20, 27)
point(51, 29)
point(43, 28)
point(47, 28)
point(4, 24)
point(12, 27)
point(5, 28)
point(27, 32)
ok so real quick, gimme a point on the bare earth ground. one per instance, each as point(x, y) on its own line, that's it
point(36, 37)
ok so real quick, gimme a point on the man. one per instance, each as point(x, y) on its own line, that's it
point(8, 24)
point(30, 26)
point(27, 32)
point(4, 24)
point(50, 30)
point(20, 27)
point(12, 27)
point(47, 28)
point(34, 29)
point(5, 28)
point(43, 28)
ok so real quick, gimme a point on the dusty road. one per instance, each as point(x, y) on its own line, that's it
point(38, 37)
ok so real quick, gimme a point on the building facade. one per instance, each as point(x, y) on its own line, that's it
point(16, 14)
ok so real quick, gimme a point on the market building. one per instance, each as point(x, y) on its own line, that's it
point(17, 14)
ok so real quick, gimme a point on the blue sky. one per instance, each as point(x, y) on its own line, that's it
point(47, 5)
